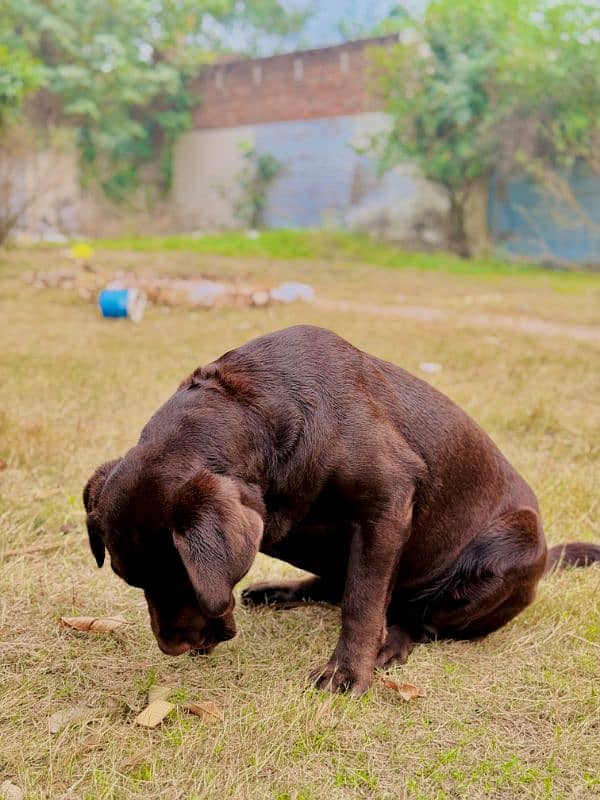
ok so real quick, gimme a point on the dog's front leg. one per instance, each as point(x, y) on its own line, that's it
point(374, 555)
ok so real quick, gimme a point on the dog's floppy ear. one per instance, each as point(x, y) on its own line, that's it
point(91, 493)
point(217, 529)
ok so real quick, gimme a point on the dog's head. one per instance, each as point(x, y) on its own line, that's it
point(185, 541)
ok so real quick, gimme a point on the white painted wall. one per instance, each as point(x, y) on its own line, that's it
point(327, 178)
point(206, 166)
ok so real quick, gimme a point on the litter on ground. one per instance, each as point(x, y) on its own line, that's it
point(167, 291)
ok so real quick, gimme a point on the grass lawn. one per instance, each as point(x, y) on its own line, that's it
point(516, 715)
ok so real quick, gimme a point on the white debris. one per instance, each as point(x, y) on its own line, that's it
point(430, 366)
point(61, 719)
point(9, 791)
point(204, 293)
point(289, 291)
point(260, 299)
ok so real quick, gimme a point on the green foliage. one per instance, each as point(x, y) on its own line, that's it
point(395, 22)
point(119, 71)
point(19, 74)
point(551, 73)
point(475, 86)
point(257, 174)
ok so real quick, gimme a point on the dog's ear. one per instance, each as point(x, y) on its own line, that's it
point(217, 529)
point(91, 493)
point(96, 542)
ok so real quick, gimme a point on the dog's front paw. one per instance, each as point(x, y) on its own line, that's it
point(335, 677)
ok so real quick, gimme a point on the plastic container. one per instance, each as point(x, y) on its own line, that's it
point(129, 303)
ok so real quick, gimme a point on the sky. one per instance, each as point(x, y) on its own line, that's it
point(329, 22)
point(323, 26)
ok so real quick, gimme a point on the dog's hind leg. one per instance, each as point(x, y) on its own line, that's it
point(494, 579)
point(288, 595)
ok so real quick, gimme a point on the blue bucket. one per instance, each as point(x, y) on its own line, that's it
point(128, 303)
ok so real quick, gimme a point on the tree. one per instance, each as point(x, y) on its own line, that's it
point(19, 75)
point(478, 85)
point(118, 71)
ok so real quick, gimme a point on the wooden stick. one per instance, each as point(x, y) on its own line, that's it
point(36, 548)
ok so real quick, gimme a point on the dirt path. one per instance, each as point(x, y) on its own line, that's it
point(533, 325)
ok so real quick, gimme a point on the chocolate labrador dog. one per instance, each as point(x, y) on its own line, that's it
point(301, 446)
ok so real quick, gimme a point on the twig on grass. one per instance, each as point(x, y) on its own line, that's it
point(36, 548)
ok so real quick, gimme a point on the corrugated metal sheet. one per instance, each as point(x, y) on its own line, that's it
point(529, 221)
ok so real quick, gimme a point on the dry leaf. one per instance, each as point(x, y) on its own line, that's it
point(10, 791)
point(67, 527)
point(407, 691)
point(209, 711)
point(3, 466)
point(61, 719)
point(93, 624)
point(158, 692)
point(154, 713)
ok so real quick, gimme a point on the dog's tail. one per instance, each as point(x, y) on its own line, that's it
point(572, 554)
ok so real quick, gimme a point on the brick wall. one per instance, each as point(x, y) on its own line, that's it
point(328, 82)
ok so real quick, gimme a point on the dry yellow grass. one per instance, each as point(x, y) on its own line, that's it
point(517, 715)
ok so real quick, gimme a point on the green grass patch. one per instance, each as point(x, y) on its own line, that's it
point(315, 244)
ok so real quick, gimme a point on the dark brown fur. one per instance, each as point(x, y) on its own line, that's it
point(316, 453)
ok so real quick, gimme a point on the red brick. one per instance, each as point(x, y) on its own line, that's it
point(324, 90)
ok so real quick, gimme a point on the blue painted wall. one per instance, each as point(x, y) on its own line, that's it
point(318, 163)
point(526, 220)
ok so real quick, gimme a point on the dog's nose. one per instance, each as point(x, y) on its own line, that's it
point(174, 648)
point(203, 650)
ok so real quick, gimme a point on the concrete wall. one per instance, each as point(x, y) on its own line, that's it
point(206, 166)
point(42, 185)
point(325, 180)
point(318, 163)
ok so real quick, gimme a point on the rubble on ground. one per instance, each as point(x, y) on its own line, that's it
point(161, 290)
